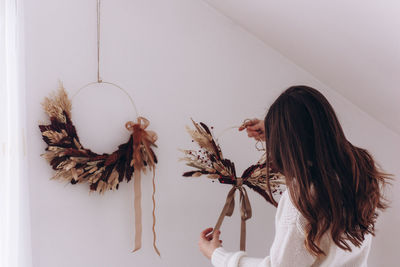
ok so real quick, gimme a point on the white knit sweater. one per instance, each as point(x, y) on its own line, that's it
point(288, 248)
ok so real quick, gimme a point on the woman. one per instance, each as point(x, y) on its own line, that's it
point(326, 217)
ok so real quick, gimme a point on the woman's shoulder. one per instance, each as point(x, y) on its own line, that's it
point(288, 215)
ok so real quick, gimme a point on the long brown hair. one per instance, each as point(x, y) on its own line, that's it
point(336, 186)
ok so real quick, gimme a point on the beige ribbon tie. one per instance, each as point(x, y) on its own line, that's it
point(245, 210)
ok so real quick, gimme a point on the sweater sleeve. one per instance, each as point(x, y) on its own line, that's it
point(222, 258)
point(287, 249)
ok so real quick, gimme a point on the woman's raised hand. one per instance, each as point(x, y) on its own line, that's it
point(209, 241)
point(255, 129)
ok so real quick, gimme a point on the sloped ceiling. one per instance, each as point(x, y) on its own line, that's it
point(351, 46)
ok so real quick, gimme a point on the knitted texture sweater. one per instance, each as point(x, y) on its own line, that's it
point(288, 248)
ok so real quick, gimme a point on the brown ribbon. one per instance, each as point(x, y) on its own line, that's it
point(142, 123)
point(154, 215)
point(138, 209)
point(141, 137)
point(245, 210)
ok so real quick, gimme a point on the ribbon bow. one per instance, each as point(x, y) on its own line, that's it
point(143, 157)
point(140, 126)
point(245, 210)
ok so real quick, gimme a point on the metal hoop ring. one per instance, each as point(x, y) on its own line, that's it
point(110, 83)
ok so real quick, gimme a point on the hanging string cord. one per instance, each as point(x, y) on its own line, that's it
point(99, 80)
point(98, 42)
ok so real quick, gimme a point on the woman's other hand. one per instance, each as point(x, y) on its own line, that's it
point(255, 129)
point(209, 242)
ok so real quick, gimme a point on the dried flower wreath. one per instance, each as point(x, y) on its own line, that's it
point(76, 164)
point(208, 160)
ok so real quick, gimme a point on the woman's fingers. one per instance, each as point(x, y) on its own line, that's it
point(215, 240)
point(255, 134)
point(248, 123)
point(209, 242)
point(204, 234)
point(216, 234)
point(252, 133)
point(255, 128)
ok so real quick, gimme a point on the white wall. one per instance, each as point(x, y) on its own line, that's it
point(353, 46)
point(178, 59)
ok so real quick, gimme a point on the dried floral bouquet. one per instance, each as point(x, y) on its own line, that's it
point(208, 160)
point(75, 164)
